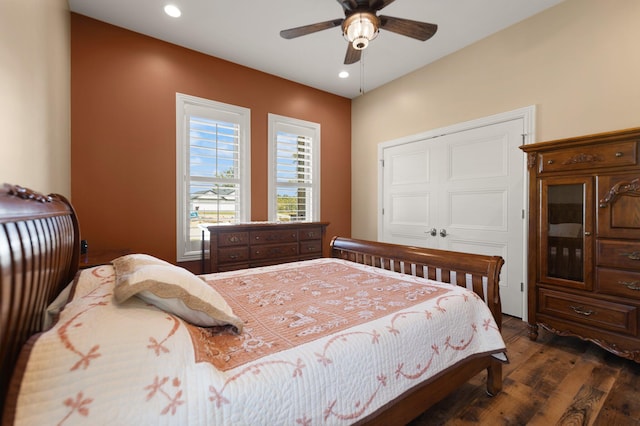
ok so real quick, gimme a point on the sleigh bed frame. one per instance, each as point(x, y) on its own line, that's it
point(39, 254)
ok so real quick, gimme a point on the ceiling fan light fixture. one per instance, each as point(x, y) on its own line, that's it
point(360, 43)
point(360, 28)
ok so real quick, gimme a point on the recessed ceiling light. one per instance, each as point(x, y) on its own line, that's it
point(343, 74)
point(172, 11)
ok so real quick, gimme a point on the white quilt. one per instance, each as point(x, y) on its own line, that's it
point(133, 364)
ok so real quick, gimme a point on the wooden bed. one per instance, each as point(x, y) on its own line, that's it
point(39, 252)
point(415, 260)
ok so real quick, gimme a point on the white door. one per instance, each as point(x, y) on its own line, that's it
point(410, 182)
point(463, 192)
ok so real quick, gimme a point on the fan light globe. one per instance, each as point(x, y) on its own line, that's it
point(360, 28)
point(360, 43)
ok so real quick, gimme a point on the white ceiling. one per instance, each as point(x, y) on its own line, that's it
point(247, 32)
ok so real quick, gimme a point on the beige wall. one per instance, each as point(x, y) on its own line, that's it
point(577, 62)
point(35, 94)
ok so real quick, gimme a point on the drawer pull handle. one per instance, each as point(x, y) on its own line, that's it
point(550, 162)
point(631, 285)
point(580, 310)
point(619, 154)
point(233, 239)
point(233, 256)
point(632, 256)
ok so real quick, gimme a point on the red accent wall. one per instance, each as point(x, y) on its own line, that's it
point(123, 134)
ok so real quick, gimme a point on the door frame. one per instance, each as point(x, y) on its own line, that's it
point(528, 115)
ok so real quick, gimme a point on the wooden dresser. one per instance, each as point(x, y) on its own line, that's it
point(249, 245)
point(584, 239)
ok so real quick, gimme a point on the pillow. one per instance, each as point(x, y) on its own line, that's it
point(130, 262)
point(53, 310)
point(172, 289)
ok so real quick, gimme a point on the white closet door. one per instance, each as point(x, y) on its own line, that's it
point(468, 187)
point(410, 194)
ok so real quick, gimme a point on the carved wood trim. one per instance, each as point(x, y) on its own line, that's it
point(531, 160)
point(26, 193)
point(583, 158)
point(611, 347)
point(627, 188)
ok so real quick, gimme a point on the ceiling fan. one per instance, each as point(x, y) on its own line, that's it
point(361, 25)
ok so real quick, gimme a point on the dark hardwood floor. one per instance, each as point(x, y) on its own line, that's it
point(552, 381)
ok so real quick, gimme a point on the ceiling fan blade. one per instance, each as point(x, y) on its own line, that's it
point(406, 27)
point(353, 55)
point(379, 4)
point(348, 5)
point(309, 29)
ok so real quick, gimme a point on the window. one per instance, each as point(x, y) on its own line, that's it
point(294, 169)
point(213, 169)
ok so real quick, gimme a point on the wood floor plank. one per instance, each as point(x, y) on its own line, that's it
point(584, 407)
point(546, 370)
point(513, 406)
point(622, 406)
point(440, 413)
point(553, 381)
point(561, 399)
point(519, 349)
point(580, 395)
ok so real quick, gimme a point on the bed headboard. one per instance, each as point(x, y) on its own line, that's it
point(39, 253)
point(482, 271)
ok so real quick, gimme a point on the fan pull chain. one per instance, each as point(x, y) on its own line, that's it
point(362, 73)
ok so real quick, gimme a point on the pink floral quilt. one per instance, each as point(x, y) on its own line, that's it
point(326, 342)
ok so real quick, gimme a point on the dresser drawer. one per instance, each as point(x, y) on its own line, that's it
point(618, 283)
point(253, 244)
point(310, 247)
point(274, 236)
point(233, 254)
point(311, 233)
point(273, 250)
point(591, 312)
point(618, 254)
point(588, 157)
point(232, 238)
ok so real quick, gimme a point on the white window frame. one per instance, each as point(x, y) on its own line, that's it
point(218, 111)
point(278, 123)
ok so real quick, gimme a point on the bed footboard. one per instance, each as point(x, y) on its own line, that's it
point(477, 272)
point(480, 273)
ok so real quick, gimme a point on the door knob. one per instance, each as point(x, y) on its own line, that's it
point(433, 232)
point(443, 232)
